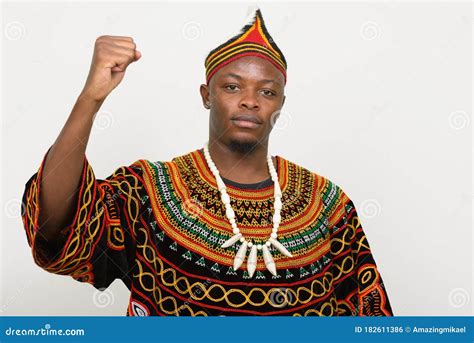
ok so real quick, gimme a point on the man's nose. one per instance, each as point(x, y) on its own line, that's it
point(249, 100)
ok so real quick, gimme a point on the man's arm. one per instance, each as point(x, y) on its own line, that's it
point(61, 176)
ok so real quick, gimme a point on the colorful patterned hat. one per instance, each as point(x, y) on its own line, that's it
point(252, 40)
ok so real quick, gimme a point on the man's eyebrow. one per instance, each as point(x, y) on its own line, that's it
point(238, 77)
point(233, 75)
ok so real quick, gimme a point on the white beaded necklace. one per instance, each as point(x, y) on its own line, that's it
point(230, 214)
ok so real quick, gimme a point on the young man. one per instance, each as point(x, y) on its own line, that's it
point(222, 230)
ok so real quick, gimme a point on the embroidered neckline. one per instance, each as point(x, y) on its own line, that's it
point(263, 193)
point(188, 211)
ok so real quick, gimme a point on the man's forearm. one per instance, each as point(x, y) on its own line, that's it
point(62, 169)
point(61, 175)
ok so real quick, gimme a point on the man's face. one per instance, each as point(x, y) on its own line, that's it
point(245, 97)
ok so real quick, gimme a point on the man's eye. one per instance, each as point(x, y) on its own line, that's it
point(231, 87)
point(268, 93)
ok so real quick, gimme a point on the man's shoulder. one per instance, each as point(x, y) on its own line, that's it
point(180, 158)
point(321, 181)
point(330, 192)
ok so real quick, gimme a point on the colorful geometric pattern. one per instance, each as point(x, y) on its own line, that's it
point(158, 227)
point(252, 40)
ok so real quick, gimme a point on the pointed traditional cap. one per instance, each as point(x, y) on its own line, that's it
point(252, 40)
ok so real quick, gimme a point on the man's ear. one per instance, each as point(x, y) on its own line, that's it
point(204, 90)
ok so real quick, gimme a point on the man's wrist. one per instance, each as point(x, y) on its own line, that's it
point(88, 103)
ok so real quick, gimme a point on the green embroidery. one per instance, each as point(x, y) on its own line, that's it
point(174, 246)
point(303, 272)
point(187, 255)
point(201, 262)
point(160, 235)
point(215, 268)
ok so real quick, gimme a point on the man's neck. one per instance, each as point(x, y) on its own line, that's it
point(240, 167)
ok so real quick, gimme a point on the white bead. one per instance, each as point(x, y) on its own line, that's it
point(252, 260)
point(235, 231)
point(277, 204)
point(220, 185)
point(273, 235)
point(259, 247)
point(275, 229)
point(225, 198)
point(268, 244)
point(280, 247)
point(242, 239)
point(277, 218)
point(234, 225)
point(229, 212)
point(250, 244)
point(240, 256)
point(231, 241)
point(268, 259)
point(232, 221)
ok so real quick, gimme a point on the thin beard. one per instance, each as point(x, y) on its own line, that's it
point(242, 147)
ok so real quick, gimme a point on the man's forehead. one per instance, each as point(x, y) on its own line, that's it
point(247, 77)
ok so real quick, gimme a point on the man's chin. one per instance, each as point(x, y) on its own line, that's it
point(243, 146)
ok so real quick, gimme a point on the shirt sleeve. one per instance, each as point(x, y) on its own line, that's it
point(358, 285)
point(98, 245)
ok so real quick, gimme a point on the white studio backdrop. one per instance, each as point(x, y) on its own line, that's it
point(378, 101)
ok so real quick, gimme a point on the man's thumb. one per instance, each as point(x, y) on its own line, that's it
point(138, 55)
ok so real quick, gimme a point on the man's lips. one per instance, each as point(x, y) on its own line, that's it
point(246, 121)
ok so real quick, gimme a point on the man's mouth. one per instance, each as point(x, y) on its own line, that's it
point(246, 121)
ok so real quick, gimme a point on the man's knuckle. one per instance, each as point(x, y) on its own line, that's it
point(101, 38)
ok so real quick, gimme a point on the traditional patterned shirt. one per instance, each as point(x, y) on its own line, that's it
point(158, 226)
